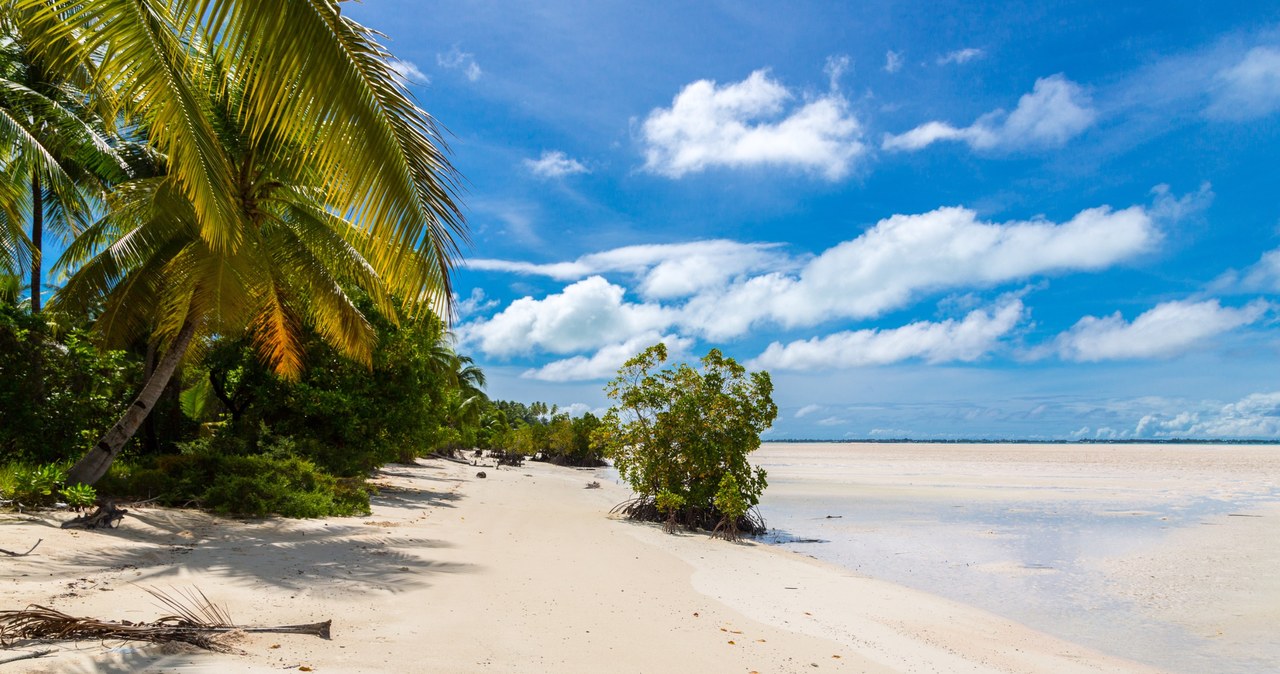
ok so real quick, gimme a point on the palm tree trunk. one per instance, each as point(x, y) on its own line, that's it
point(37, 240)
point(94, 464)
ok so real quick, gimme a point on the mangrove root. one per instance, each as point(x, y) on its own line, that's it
point(107, 516)
point(645, 508)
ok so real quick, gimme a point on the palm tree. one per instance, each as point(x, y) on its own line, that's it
point(56, 159)
point(468, 399)
point(293, 160)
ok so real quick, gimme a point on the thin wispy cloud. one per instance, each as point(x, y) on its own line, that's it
point(892, 61)
point(1055, 111)
point(409, 72)
point(753, 123)
point(1261, 276)
point(1248, 89)
point(664, 271)
point(555, 164)
point(960, 56)
point(456, 59)
point(835, 69)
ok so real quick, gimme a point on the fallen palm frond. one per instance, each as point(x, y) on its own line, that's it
point(196, 621)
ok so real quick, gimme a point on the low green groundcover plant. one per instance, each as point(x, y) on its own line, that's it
point(43, 485)
point(211, 474)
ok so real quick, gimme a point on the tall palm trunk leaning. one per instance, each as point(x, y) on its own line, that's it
point(95, 463)
point(290, 163)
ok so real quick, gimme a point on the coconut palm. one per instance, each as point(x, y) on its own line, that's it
point(293, 161)
point(56, 159)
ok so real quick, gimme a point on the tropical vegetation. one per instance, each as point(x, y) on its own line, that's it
point(258, 223)
point(680, 437)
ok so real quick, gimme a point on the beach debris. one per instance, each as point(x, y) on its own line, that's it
point(593, 485)
point(195, 620)
point(26, 656)
point(106, 516)
point(23, 554)
point(481, 475)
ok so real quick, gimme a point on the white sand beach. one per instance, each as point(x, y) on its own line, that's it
point(520, 571)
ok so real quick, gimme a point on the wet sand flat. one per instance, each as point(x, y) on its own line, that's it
point(1160, 553)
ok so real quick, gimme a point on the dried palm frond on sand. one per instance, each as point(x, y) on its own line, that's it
point(195, 620)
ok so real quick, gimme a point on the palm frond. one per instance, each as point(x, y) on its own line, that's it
point(135, 46)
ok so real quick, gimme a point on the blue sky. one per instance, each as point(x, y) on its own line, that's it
point(926, 220)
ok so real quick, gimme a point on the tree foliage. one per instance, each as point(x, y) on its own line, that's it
point(541, 431)
point(680, 437)
point(56, 388)
point(346, 417)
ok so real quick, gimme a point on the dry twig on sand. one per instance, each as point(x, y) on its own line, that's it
point(26, 656)
point(196, 621)
point(23, 554)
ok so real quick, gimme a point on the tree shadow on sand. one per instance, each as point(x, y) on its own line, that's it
point(354, 554)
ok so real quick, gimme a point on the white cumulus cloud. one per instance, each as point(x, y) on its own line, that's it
point(750, 123)
point(1166, 330)
point(604, 363)
point(1055, 111)
point(555, 165)
point(1250, 88)
point(904, 256)
point(722, 289)
point(959, 56)
point(963, 340)
point(1254, 416)
point(586, 315)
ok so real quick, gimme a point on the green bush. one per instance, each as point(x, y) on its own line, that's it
point(345, 416)
point(57, 391)
point(79, 496)
point(216, 474)
point(43, 485)
point(680, 437)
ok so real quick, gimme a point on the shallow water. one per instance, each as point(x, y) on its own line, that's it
point(1025, 532)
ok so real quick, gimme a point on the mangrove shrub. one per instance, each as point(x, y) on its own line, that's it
point(680, 437)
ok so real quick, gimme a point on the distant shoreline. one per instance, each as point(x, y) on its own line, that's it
point(1023, 441)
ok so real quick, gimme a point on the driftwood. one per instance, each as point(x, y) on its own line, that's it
point(26, 656)
point(438, 455)
point(23, 554)
point(198, 622)
point(107, 516)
